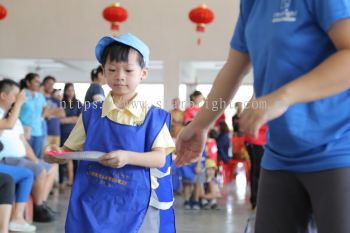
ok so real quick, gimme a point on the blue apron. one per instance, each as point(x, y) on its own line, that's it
point(111, 200)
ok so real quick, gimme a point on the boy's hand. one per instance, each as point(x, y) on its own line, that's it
point(115, 159)
point(51, 159)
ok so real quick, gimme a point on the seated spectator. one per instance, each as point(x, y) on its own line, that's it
point(17, 152)
point(23, 180)
point(7, 189)
point(211, 187)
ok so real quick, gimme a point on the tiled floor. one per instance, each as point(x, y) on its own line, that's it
point(231, 218)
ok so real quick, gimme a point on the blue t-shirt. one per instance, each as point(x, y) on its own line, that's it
point(286, 39)
point(31, 112)
point(93, 90)
point(53, 123)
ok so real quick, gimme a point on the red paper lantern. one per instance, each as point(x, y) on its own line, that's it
point(3, 12)
point(116, 15)
point(201, 16)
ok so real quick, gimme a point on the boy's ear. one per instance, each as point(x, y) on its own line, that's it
point(144, 73)
point(3, 95)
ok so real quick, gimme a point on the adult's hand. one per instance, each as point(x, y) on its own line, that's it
point(261, 110)
point(190, 144)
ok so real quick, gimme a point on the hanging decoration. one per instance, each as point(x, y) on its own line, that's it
point(115, 14)
point(201, 16)
point(3, 12)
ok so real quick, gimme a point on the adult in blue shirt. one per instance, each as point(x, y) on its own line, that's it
point(55, 111)
point(95, 92)
point(300, 52)
point(33, 112)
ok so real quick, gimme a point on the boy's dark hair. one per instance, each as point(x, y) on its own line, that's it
point(120, 53)
point(95, 72)
point(47, 78)
point(6, 85)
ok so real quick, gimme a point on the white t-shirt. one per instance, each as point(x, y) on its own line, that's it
point(10, 138)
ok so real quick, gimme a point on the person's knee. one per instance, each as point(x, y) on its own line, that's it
point(53, 170)
point(41, 175)
point(28, 174)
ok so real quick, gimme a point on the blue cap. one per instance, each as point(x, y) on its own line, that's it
point(127, 39)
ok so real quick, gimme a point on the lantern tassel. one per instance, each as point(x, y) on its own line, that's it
point(199, 41)
point(115, 26)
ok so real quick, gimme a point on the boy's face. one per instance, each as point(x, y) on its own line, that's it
point(9, 98)
point(124, 77)
point(210, 172)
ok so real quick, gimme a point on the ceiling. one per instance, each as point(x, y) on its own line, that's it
point(58, 38)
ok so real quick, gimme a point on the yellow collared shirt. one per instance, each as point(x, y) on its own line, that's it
point(133, 114)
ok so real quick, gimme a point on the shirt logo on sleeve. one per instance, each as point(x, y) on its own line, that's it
point(285, 14)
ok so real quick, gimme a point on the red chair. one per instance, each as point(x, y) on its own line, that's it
point(229, 168)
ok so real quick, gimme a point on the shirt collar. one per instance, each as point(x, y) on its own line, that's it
point(2, 112)
point(134, 107)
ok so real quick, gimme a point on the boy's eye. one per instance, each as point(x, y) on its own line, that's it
point(111, 70)
point(129, 71)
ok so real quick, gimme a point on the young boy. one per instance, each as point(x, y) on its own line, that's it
point(211, 187)
point(129, 189)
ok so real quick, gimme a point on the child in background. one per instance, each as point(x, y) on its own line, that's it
point(129, 189)
point(193, 178)
point(188, 175)
point(211, 187)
